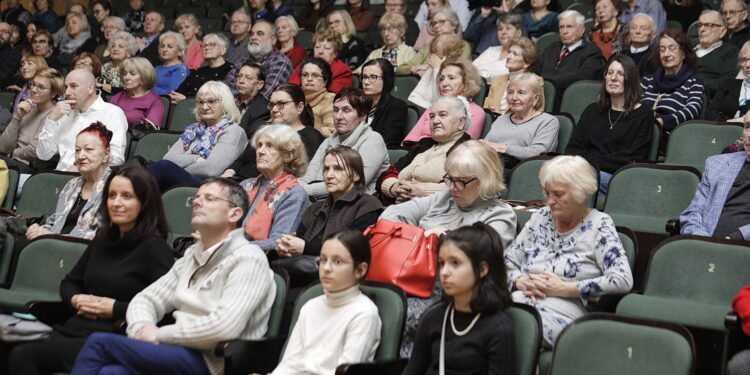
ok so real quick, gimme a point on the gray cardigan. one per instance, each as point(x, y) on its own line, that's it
point(228, 147)
point(440, 210)
point(21, 136)
point(362, 139)
point(527, 139)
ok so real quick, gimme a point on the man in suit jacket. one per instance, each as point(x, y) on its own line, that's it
point(721, 206)
point(571, 59)
point(148, 46)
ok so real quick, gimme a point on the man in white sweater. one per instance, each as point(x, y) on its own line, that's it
point(221, 289)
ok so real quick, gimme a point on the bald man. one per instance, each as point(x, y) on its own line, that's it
point(81, 107)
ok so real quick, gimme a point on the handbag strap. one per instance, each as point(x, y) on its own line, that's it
point(441, 365)
point(385, 236)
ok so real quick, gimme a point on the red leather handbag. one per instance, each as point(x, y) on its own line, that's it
point(403, 256)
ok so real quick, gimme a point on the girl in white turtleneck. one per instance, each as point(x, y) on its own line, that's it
point(341, 326)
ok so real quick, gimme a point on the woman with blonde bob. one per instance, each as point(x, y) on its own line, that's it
point(522, 55)
point(392, 27)
point(566, 253)
point(474, 180)
point(172, 71)
point(190, 29)
point(277, 201)
point(207, 147)
point(140, 104)
point(29, 66)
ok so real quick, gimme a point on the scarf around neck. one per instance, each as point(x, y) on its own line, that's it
point(205, 134)
point(69, 45)
point(258, 224)
point(664, 83)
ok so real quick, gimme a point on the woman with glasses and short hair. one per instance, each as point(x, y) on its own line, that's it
point(392, 28)
point(314, 73)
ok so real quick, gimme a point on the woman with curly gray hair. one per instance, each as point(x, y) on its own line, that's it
point(121, 46)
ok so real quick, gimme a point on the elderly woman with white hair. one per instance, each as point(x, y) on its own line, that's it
point(442, 23)
point(474, 180)
point(207, 147)
point(286, 29)
point(121, 46)
point(111, 26)
point(277, 201)
point(172, 72)
point(420, 172)
point(75, 39)
point(566, 253)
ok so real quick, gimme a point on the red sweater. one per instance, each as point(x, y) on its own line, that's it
point(741, 305)
point(341, 76)
point(296, 54)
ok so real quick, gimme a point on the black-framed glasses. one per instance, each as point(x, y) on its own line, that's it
point(280, 104)
point(458, 183)
point(207, 198)
point(727, 13)
point(710, 25)
point(372, 78)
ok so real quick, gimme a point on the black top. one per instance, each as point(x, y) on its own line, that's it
point(390, 119)
point(628, 140)
point(736, 212)
point(739, 37)
point(151, 52)
point(642, 60)
point(584, 62)
point(67, 58)
point(684, 15)
point(72, 219)
point(353, 53)
point(726, 101)
point(256, 115)
point(198, 77)
point(9, 62)
point(487, 349)
point(119, 270)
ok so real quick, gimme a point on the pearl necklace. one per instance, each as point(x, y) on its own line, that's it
point(609, 117)
point(471, 325)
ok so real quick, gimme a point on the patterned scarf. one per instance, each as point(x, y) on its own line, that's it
point(206, 135)
point(258, 224)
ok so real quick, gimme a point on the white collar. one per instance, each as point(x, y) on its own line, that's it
point(573, 46)
point(639, 49)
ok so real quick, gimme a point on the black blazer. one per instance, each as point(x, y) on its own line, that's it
point(390, 119)
point(583, 63)
point(255, 116)
point(726, 101)
point(151, 52)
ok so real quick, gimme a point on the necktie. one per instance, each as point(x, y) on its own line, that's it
point(564, 53)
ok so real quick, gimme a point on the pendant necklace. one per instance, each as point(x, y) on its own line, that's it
point(609, 117)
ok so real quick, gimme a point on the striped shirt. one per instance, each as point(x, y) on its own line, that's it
point(677, 106)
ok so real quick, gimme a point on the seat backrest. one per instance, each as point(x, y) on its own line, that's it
point(527, 325)
point(644, 196)
point(7, 98)
point(565, 132)
point(153, 146)
point(586, 9)
point(692, 142)
point(412, 116)
point(178, 213)
point(395, 154)
point(167, 104)
point(10, 196)
point(43, 264)
point(482, 93)
point(488, 121)
point(693, 33)
point(549, 96)
point(182, 115)
point(578, 96)
point(403, 86)
point(281, 279)
point(304, 38)
point(40, 193)
point(391, 303)
point(653, 151)
point(610, 344)
point(524, 182)
point(698, 269)
point(543, 42)
point(629, 243)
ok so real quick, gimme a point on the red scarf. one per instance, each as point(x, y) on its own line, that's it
point(258, 225)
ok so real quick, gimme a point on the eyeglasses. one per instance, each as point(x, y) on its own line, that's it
point(33, 85)
point(110, 28)
point(711, 25)
point(458, 183)
point(727, 13)
point(438, 23)
point(335, 22)
point(744, 60)
point(280, 104)
point(208, 198)
point(210, 102)
point(372, 78)
point(311, 75)
point(40, 41)
point(84, 64)
point(3, 31)
point(209, 45)
point(389, 29)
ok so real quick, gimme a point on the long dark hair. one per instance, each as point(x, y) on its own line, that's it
point(357, 244)
point(151, 221)
point(481, 243)
point(632, 87)
point(389, 77)
point(679, 36)
point(295, 92)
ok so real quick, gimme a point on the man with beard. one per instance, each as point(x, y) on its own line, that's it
point(9, 57)
point(276, 66)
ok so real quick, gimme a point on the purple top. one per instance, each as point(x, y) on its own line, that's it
point(149, 106)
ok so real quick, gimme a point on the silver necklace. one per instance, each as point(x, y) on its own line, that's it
point(471, 325)
point(609, 117)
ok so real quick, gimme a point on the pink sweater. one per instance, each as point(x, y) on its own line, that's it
point(194, 55)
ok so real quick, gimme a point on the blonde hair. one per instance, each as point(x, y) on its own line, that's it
point(39, 61)
point(451, 46)
point(573, 171)
point(396, 20)
point(469, 74)
point(224, 94)
point(56, 81)
point(328, 35)
point(350, 29)
point(178, 39)
point(478, 159)
point(144, 69)
point(530, 52)
point(533, 82)
point(189, 18)
point(285, 139)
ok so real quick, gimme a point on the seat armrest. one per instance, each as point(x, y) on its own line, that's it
point(673, 227)
point(732, 321)
point(394, 366)
point(49, 313)
point(250, 356)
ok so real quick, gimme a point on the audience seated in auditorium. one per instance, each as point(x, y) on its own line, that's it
point(312, 13)
point(127, 255)
point(522, 55)
point(121, 46)
point(617, 129)
point(345, 319)
point(540, 20)
point(352, 51)
point(41, 45)
point(239, 29)
point(588, 261)
point(135, 16)
point(82, 106)
point(326, 46)
point(716, 59)
point(110, 26)
point(374, 38)
point(216, 67)
point(734, 13)
point(188, 26)
point(9, 57)
point(445, 47)
point(674, 91)
point(315, 74)
point(140, 104)
point(350, 110)
point(420, 172)
point(260, 10)
point(455, 78)
point(608, 33)
point(276, 66)
point(392, 28)
point(572, 59)
point(388, 113)
point(30, 64)
point(443, 20)
point(653, 8)
point(75, 38)
point(18, 142)
point(361, 15)
point(172, 71)
point(277, 201)
point(253, 106)
point(45, 14)
point(474, 179)
point(15, 12)
point(719, 206)
point(461, 7)
point(642, 34)
point(491, 62)
point(206, 147)
point(153, 25)
point(208, 291)
point(286, 30)
point(731, 99)
point(473, 279)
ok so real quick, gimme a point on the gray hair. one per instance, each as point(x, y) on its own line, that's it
point(513, 19)
point(459, 106)
point(178, 38)
point(273, 27)
point(162, 20)
point(739, 2)
point(648, 18)
point(117, 22)
point(81, 17)
point(292, 24)
point(285, 139)
point(219, 37)
point(717, 14)
point(450, 14)
point(579, 18)
point(224, 94)
point(573, 171)
point(128, 38)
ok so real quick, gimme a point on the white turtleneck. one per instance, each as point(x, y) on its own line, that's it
point(335, 328)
